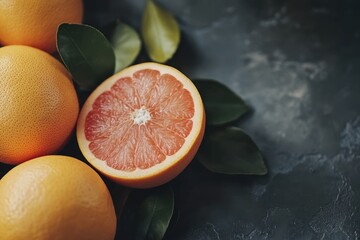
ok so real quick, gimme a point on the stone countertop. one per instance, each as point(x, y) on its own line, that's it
point(297, 64)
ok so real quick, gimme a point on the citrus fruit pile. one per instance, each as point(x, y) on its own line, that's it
point(140, 128)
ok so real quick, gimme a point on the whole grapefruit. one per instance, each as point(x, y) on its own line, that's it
point(38, 104)
point(55, 198)
point(34, 22)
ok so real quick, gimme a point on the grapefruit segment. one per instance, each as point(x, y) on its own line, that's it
point(142, 126)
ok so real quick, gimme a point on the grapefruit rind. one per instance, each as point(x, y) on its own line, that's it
point(172, 165)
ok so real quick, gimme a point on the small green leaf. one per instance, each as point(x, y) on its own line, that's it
point(87, 54)
point(231, 151)
point(154, 214)
point(160, 31)
point(221, 104)
point(126, 43)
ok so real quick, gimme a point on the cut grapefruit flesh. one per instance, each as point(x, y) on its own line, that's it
point(142, 126)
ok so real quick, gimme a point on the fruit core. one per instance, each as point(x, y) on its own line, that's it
point(140, 116)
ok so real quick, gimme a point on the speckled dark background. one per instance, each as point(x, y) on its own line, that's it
point(297, 64)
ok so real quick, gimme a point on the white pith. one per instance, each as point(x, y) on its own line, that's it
point(140, 116)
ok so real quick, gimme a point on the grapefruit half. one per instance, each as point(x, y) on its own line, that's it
point(142, 126)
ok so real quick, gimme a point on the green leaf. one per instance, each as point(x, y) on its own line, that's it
point(87, 54)
point(120, 197)
point(221, 104)
point(126, 43)
point(231, 151)
point(154, 214)
point(160, 32)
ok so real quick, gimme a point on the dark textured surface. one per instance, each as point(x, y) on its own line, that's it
point(297, 64)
